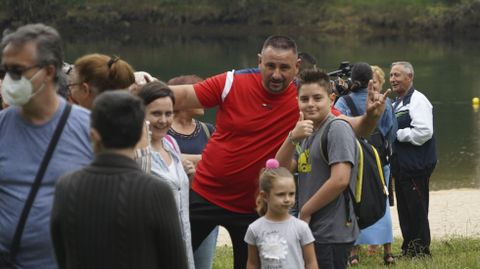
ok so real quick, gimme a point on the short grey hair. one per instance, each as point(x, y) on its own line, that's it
point(408, 66)
point(48, 42)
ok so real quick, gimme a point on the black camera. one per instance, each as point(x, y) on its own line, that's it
point(341, 78)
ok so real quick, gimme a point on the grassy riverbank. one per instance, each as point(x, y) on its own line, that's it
point(456, 252)
point(335, 17)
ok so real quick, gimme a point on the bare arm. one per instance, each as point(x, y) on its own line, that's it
point(185, 97)
point(189, 168)
point(309, 256)
point(364, 125)
point(285, 154)
point(253, 261)
point(333, 187)
point(194, 158)
point(303, 129)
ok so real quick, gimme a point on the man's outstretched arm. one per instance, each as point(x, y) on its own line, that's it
point(185, 97)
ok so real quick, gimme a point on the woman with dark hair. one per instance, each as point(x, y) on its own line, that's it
point(192, 136)
point(166, 159)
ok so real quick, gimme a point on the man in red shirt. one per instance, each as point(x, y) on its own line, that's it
point(257, 108)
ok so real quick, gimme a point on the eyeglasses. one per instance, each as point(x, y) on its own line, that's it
point(16, 72)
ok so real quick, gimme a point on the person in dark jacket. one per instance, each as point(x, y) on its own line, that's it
point(110, 214)
point(413, 160)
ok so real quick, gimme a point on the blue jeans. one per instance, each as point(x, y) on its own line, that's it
point(203, 256)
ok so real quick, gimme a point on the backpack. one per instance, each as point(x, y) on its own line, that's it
point(369, 197)
point(376, 139)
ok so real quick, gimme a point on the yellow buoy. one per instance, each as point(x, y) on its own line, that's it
point(475, 101)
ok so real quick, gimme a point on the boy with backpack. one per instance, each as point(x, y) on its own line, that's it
point(322, 183)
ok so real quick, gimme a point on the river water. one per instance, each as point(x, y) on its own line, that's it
point(446, 72)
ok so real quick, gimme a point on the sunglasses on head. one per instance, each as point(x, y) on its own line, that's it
point(16, 72)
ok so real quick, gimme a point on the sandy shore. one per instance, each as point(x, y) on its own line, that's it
point(452, 213)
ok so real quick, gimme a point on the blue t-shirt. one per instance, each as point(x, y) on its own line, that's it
point(22, 147)
point(387, 123)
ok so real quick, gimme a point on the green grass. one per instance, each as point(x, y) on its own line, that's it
point(223, 258)
point(451, 253)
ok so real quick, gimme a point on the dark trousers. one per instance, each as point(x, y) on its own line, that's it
point(332, 256)
point(204, 216)
point(412, 206)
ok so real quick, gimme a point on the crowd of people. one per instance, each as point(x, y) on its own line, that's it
point(133, 180)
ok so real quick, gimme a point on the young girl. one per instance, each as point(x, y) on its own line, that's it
point(277, 239)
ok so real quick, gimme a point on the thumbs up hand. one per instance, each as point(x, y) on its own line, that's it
point(303, 129)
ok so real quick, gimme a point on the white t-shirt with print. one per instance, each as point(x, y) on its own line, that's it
point(279, 243)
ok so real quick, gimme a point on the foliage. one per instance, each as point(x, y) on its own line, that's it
point(378, 17)
point(27, 11)
point(464, 18)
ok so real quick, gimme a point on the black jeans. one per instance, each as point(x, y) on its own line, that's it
point(204, 216)
point(412, 206)
point(332, 256)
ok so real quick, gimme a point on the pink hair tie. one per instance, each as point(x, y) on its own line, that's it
point(272, 164)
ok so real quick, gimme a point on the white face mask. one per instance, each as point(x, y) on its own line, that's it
point(18, 92)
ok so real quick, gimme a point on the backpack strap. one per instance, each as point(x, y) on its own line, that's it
point(324, 141)
point(205, 129)
point(372, 138)
point(351, 105)
point(324, 138)
point(15, 245)
point(347, 192)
